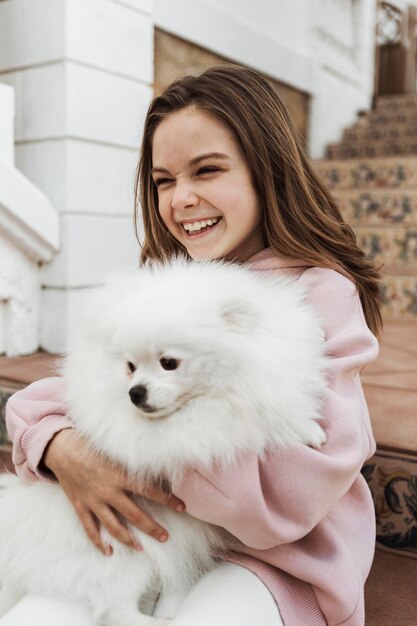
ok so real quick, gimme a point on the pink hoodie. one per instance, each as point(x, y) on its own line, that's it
point(304, 517)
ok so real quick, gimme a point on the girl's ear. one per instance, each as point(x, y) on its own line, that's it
point(240, 315)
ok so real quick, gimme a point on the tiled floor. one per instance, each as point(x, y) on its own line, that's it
point(390, 591)
point(24, 370)
point(391, 388)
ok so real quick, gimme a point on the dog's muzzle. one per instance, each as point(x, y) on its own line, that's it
point(138, 395)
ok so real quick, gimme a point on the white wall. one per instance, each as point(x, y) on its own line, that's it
point(82, 71)
point(322, 47)
point(258, 34)
point(29, 235)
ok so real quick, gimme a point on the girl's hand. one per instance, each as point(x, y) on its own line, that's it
point(99, 492)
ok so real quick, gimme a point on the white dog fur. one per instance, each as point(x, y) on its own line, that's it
point(251, 374)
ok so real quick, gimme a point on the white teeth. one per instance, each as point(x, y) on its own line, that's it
point(194, 226)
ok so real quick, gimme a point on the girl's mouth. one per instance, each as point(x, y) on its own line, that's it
point(199, 228)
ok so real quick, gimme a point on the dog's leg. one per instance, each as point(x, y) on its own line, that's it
point(8, 598)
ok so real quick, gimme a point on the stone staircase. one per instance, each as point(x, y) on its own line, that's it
point(372, 173)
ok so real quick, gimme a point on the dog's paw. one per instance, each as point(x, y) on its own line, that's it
point(317, 437)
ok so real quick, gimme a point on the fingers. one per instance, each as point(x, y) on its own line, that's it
point(161, 493)
point(115, 527)
point(162, 497)
point(91, 527)
point(97, 488)
point(133, 514)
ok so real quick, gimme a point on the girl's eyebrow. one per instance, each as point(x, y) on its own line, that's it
point(202, 157)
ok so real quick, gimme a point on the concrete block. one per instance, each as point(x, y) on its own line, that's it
point(41, 101)
point(59, 312)
point(45, 164)
point(104, 33)
point(104, 107)
point(144, 6)
point(19, 300)
point(69, 99)
point(31, 32)
point(92, 247)
point(7, 115)
point(81, 177)
point(112, 36)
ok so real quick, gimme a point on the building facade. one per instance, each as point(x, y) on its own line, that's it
point(82, 73)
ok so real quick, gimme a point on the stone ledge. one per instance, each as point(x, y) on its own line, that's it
point(390, 597)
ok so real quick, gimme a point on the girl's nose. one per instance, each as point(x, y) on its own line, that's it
point(184, 196)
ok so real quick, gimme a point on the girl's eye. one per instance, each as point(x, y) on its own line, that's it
point(161, 181)
point(167, 363)
point(208, 169)
point(131, 366)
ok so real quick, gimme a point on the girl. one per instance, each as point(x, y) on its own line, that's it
point(222, 175)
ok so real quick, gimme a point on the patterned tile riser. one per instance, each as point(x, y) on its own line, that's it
point(4, 396)
point(366, 150)
point(397, 102)
point(397, 132)
point(400, 297)
point(376, 208)
point(395, 247)
point(373, 174)
point(392, 478)
point(379, 118)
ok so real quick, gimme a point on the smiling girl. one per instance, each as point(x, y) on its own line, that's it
point(222, 175)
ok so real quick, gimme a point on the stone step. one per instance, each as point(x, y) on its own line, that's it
point(390, 386)
point(7, 388)
point(16, 373)
point(390, 597)
point(383, 132)
point(6, 464)
point(400, 297)
point(386, 117)
point(378, 207)
point(398, 101)
point(369, 174)
point(372, 149)
point(394, 246)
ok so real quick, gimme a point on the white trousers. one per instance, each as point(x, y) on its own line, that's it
point(229, 595)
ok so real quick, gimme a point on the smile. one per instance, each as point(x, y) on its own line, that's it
point(196, 228)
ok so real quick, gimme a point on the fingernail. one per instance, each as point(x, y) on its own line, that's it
point(180, 507)
point(138, 547)
point(108, 550)
point(163, 537)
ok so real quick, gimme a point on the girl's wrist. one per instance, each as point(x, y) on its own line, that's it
point(55, 450)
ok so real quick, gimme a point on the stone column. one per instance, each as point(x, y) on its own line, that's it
point(83, 74)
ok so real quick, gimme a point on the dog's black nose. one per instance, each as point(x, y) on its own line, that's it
point(138, 394)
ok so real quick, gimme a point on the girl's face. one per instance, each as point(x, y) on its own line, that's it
point(205, 191)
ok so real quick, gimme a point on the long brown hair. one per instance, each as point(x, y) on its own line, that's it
point(300, 217)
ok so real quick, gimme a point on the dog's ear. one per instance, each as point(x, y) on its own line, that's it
point(240, 315)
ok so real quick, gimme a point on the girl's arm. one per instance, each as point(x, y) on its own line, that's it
point(97, 489)
point(33, 417)
point(282, 498)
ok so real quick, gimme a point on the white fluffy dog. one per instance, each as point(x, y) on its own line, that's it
point(175, 367)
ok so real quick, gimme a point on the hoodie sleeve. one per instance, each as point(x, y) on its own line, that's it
point(33, 416)
point(282, 497)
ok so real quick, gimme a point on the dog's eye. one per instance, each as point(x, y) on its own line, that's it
point(167, 363)
point(131, 366)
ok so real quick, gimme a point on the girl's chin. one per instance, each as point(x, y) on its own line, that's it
point(204, 255)
point(207, 252)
